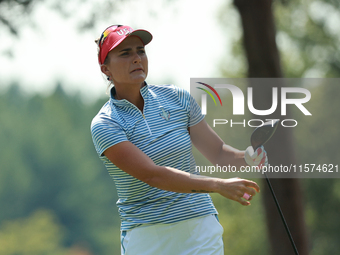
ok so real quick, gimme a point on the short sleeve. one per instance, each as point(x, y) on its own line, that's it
point(191, 106)
point(106, 133)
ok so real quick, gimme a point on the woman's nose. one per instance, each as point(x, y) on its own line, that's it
point(137, 58)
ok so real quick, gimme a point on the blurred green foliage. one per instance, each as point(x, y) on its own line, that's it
point(48, 161)
point(308, 38)
point(318, 142)
point(38, 234)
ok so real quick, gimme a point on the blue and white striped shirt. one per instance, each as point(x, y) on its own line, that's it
point(161, 132)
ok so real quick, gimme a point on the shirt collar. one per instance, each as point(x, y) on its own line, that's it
point(144, 91)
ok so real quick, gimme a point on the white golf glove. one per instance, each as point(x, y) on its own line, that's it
point(257, 158)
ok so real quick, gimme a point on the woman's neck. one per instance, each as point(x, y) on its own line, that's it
point(131, 94)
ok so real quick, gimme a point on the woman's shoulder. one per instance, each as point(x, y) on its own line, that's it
point(107, 112)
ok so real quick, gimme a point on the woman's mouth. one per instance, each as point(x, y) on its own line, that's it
point(137, 69)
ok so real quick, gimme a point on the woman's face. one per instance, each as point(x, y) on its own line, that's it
point(128, 63)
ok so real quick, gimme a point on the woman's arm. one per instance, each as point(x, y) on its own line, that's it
point(133, 161)
point(213, 148)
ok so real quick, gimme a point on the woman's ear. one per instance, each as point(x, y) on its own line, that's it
point(105, 70)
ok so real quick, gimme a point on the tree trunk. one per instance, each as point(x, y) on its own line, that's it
point(264, 62)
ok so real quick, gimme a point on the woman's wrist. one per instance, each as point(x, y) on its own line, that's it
point(217, 184)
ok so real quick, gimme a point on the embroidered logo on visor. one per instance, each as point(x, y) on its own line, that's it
point(107, 32)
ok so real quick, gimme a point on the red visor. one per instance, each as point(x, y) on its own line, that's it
point(114, 35)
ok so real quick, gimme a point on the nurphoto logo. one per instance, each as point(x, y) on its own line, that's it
point(286, 95)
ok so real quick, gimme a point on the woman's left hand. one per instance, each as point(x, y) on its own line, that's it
point(257, 158)
point(239, 190)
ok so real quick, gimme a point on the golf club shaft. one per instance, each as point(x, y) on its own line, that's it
point(258, 138)
point(281, 214)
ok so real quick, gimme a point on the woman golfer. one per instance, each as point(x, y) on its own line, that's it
point(143, 134)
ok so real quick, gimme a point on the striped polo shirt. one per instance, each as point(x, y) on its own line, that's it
point(161, 132)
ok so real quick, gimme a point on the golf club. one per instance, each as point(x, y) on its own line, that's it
point(259, 137)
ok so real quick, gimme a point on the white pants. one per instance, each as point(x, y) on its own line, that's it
point(198, 236)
